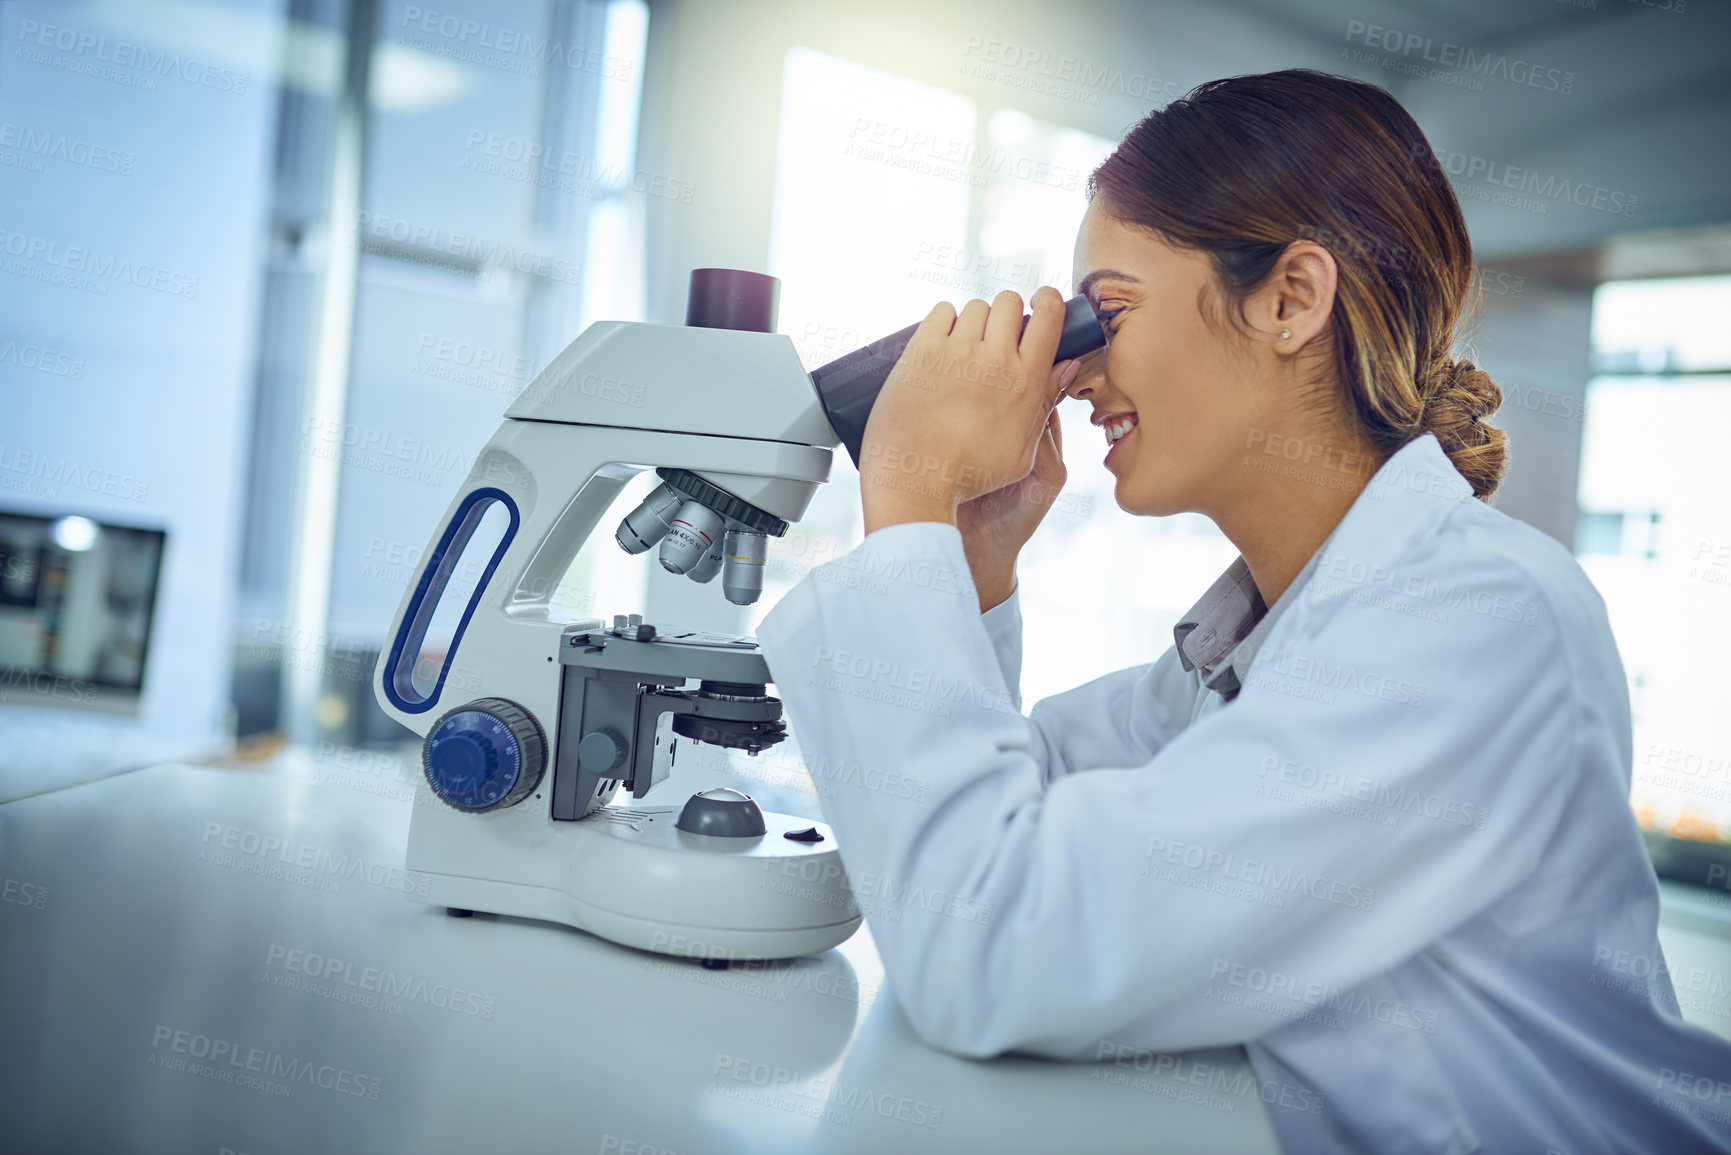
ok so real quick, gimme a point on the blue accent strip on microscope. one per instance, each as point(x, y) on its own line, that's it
point(399, 685)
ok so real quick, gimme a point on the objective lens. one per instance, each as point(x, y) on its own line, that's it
point(648, 523)
point(706, 569)
point(695, 530)
point(742, 566)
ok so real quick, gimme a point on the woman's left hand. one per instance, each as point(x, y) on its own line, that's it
point(963, 411)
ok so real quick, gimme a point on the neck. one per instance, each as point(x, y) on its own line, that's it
point(1279, 520)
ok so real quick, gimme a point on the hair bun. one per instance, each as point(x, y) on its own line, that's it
point(1457, 395)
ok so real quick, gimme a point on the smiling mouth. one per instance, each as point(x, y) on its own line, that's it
point(1117, 427)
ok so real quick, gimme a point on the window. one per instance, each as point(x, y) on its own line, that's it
point(1655, 536)
point(870, 181)
point(892, 195)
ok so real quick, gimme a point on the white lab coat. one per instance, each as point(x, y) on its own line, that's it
point(1400, 866)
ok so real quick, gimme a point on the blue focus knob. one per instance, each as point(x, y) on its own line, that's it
point(485, 755)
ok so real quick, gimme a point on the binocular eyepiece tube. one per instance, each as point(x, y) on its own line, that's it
point(849, 385)
point(700, 542)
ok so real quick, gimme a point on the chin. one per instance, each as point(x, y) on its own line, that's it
point(1147, 500)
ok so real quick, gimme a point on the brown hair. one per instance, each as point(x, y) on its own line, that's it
point(1242, 167)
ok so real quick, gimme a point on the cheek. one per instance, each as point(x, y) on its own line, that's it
point(1171, 387)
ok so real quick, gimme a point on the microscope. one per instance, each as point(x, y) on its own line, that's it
point(555, 717)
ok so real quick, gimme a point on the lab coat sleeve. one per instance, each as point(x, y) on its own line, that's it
point(1003, 624)
point(1118, 719)
point(1115, 908)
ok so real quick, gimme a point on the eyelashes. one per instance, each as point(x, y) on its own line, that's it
point(1106, 319)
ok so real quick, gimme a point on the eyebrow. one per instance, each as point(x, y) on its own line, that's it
point(1097, 275)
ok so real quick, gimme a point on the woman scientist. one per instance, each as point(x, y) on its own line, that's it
point(1369, 815)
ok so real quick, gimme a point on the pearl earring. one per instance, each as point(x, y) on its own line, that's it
point(1285, 334)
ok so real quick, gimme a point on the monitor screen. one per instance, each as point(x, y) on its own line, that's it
point(76, 600)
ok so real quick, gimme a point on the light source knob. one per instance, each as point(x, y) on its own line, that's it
point(485, 755)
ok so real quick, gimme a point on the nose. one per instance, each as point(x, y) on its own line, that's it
point(1090, 375)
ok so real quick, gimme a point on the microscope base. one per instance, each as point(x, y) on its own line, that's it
point(627, 874)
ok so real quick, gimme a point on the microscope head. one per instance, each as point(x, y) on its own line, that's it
point(728, 378)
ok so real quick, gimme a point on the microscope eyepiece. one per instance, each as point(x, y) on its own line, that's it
point(848, 386)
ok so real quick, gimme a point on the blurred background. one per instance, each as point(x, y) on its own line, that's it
point(271, 271)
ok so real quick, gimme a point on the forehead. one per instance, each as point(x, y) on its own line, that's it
point(1120, 252)
point(1106, 248)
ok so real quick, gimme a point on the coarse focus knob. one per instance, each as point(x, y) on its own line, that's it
point(722, 813)
point(485, 755)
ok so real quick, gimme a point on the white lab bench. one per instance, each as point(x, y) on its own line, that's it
point(207, 960)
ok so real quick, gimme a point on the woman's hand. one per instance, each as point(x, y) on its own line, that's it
point(995, 526)
point(963, 413)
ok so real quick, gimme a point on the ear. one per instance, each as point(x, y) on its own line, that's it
point(1298, 297)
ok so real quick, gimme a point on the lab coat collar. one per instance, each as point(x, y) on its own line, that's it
point(1220, 635)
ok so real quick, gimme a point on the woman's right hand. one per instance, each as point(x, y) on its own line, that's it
point(996, 525)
